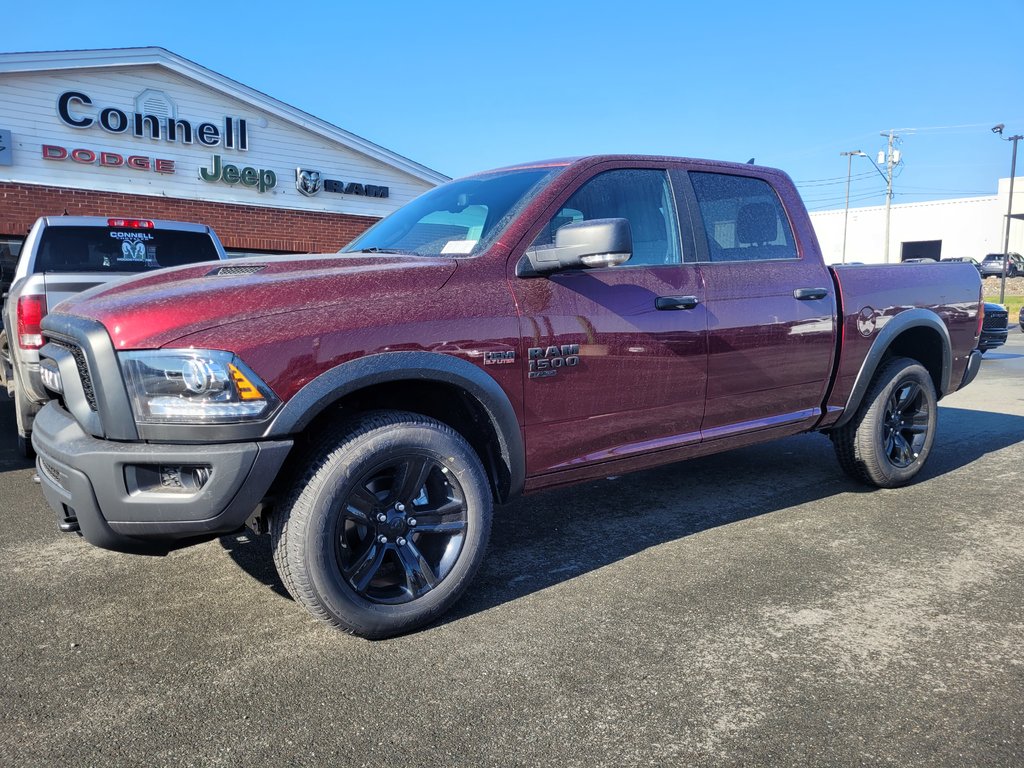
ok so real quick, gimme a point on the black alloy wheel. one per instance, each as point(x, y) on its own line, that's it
point(890, 436)
point(906, 423)
point(401, 529)
point(385, 523)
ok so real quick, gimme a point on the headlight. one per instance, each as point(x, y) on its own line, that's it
point(194, 386)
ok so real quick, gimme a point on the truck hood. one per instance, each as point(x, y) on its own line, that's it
point(154, 309)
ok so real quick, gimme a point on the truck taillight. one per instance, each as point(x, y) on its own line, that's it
point(981, 318)
point(30, 317)
point(130, 223)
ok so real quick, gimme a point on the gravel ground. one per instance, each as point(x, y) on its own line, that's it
point(1014, 286)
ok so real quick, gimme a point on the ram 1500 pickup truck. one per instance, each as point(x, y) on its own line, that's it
point(515, 330)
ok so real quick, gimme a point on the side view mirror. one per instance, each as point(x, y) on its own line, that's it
point(582, 244)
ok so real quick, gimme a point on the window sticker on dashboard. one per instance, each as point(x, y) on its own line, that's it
point(459, 246)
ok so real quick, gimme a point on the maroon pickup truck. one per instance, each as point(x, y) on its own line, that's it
point(519, 329)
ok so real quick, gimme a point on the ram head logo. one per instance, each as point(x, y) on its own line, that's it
point(308, 182)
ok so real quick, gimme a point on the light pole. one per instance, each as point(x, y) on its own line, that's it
point(998, 130)
point(892, 159)
point(846, 212)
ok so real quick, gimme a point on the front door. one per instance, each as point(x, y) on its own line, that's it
point(610, 374)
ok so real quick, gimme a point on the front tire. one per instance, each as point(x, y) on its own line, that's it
point(890, 437)
point(386, 527)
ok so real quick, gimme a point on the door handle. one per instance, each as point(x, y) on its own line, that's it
point(806, 294)
point(676, 302)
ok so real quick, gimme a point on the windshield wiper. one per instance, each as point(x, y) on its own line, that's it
point(375, 249)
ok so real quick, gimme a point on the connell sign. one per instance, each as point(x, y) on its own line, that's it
point(77, 110)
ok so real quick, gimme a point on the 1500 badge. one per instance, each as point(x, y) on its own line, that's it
point(545, 361)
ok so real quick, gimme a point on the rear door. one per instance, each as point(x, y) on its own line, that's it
point(770, 307)
point(610, 374)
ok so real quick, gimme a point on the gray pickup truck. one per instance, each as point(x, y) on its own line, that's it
point(65, 255)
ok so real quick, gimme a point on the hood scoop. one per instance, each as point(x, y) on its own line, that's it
point(241, 269)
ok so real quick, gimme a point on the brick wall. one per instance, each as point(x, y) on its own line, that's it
point(246, 227)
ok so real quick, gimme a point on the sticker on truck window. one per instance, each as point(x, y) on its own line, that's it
point(132, 251)
point(459, 246)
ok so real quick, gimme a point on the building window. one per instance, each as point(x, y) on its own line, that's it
point(10, 249)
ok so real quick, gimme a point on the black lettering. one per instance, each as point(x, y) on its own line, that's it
point(150, 121)
point(243, 136)
point(64, 111)
point(113, 120)
point(229, 133)
point(353, 188)
point(208, 135)
point(186, 130)
point(333, 185)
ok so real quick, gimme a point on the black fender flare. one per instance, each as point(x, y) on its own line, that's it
point(905, 320)
point(385, 367)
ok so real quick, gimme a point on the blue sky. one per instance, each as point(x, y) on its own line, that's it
point(461, 86)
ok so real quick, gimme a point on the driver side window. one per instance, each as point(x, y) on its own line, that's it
point(641, 196)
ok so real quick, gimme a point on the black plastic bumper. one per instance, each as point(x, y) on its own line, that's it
point(104, 484)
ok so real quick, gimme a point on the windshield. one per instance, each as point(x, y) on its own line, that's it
point(455, 219)
point(110, 249)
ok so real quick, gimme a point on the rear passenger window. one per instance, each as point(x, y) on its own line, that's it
point(641, 196)
point(743, 218)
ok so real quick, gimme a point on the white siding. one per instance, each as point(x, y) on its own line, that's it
point(966, 227)
point(28, 108)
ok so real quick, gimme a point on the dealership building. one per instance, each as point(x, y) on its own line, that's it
point(144, 133)
point(969, 226)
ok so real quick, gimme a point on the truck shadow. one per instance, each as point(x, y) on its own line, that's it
point(552, 537)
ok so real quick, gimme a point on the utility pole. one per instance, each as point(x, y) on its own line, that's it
point(1009, 208)
point(846, 212)
point(892, 158)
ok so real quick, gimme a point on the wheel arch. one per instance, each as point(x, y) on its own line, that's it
point(441, 386)
point(918, 334)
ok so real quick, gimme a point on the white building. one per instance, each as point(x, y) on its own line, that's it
point(144, 133)
point(970, 226)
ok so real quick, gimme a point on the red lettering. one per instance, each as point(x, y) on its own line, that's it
point(138, 162)
point(111, 159)
point(164, 166)
point(51, 152)
point(83, 155)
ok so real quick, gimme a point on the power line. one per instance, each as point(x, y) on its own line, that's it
point(824, 183)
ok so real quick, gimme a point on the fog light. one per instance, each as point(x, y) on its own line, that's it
point(167, 478)
point(188, 478)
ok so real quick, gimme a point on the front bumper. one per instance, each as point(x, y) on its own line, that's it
point(107, 485)
point(990, 339)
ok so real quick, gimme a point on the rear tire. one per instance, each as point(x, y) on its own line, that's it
point(890, 437)
point(386, 527)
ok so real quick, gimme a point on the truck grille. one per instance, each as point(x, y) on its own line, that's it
point(994, 321)
point(83, 369)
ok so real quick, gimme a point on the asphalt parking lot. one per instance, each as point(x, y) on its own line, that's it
point(751, 608)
